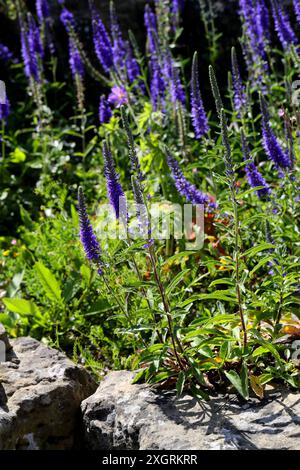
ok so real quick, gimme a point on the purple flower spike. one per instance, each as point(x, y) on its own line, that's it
point(254, 28)
point(102, 43)
point(172, 75)
point(76, 65)
point(151, 27)
point(4, 110)
point(118, 96)
point(157, 85)
point(239, 94)
point(199, 117)
point(297, 9)
point(271, 145)
point(254, 177)
point(119, 45)
point(75, 61)
point(283, 26)
point(67, 19)
point(6, 55)
point(104, 111)
point(114, 188)
point(132, 67)
point(42, 10)
point(183, 186)
point(34, 37)
point(87, 236)
point(30, 53)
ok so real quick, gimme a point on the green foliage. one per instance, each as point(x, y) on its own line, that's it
point(202, 320)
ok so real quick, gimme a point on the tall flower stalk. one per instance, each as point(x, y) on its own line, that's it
point(237, 244)
point(239, 92)
point(114, 188)
point(254, 177)
point(283, 26)
point(143, 214)
point(271, 144)
point(183, 186)
point(215, 90)
point(199, 118)
point(297, 9)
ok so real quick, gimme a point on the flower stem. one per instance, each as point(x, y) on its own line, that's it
point(174, 338)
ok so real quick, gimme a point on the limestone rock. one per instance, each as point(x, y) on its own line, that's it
point(40, 395)
point(125, 416)
point(4, 338)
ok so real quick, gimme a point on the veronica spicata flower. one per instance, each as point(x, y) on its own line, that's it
point(199, 117)
point(132, 66)
point(75, 61)
point(76, 65)
point(151, 27)
point(102, 43)
point(42, 10)
point(183, 186)
point(4, 109)
point(172, 76)
point(105, 112)
point(157, 84)
point(254, 177)
point(134, 161)
point(87, 236)
point(239, 94)
point(6, 55)
point(31, 49)
point(118, 45)
point(114, 188)
point(297, 9)
point(254, 29)
point(271, 145)
point(283, 26)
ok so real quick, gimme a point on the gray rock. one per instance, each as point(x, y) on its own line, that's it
point(124, 416)
point(4, 338)
point(40, 395)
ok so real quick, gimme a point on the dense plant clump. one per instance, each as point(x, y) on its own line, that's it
point(83, 267)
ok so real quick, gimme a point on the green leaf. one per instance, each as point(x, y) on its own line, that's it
point(180, 383)
point(238, 382)
point(71, 288)
point(257, 249)
point(50, 284)
point(217, 295)
point(245, 380)
point(15, 284)
point(225, 350)
point(177, 279)
point(86, 275)
point(139, 376)
point(198, 393)
point(262, 262)
point(161, 376)
point(21, 306)
point(260, 351)
point(225, 280)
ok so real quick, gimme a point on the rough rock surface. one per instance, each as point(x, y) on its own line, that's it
point(4, 338)
point(40, 395)
point(125, 416)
